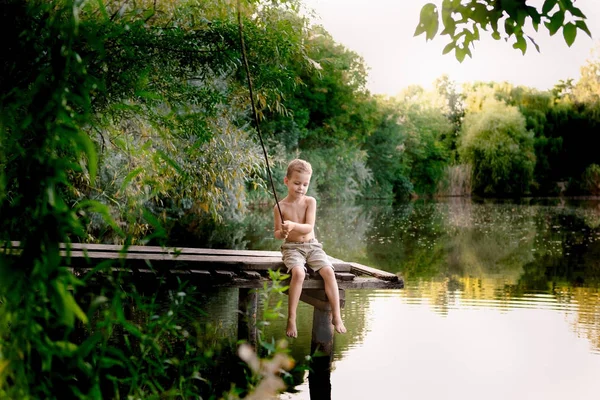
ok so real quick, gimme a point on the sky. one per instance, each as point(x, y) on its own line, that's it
point(381, 31)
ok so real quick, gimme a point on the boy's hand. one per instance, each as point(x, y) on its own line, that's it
point(287, 227)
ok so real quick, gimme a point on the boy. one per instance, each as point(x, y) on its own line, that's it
point(301, 247)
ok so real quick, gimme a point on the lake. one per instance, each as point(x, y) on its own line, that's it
point(501, 299)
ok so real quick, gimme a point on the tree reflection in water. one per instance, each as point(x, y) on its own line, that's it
point(537, 253)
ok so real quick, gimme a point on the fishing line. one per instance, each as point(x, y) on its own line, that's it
point(254, 112)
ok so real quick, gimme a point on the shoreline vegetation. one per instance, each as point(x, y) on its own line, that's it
point(129, 123)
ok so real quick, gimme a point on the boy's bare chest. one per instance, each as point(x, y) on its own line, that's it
point(296, 213)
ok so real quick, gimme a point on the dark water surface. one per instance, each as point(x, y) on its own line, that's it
point(502, 300)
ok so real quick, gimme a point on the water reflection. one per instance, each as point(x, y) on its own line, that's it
point(518, 274)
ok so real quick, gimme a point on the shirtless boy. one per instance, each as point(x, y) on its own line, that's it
point(301, 247)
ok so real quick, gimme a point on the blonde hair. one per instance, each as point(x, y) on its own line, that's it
point(298, 165)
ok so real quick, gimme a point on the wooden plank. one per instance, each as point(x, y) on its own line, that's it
point(168, 250)
point(250, 274)
point(258, 265)
point(377, 273)
point(251, 259)
point(200, 273)
point(251, 263)
point(176, 257)
point(344, 276)
point(175, 250)
point(357, 283)
point(221, 274)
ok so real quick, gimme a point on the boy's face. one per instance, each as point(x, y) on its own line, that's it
point(297, 184)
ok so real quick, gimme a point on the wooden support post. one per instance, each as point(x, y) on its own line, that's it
point(319, 377)
point(318, 299)
point(248, 308)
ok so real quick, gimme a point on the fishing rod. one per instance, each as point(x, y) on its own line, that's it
point(254, 112)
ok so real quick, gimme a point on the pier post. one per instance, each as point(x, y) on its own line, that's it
point(248, 307)
point(321, 347)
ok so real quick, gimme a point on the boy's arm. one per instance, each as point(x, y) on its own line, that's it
point(309, 222)
point(279, 233)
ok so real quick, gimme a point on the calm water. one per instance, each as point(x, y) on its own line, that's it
point(502, 300)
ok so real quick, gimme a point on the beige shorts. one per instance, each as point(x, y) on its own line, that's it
point(298, 254)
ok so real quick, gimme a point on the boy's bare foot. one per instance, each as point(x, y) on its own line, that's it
point(338, 324)
point(291, 330)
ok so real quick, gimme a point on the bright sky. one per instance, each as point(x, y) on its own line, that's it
point(382, 32)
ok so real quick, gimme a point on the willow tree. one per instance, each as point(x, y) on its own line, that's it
point(495, 141)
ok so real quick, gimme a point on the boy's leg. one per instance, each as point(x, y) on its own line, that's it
point(331, 290)
point(298, 274)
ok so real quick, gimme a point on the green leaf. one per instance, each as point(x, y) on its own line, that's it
point(582, 25)
point(159, 230)
point(521, 44)
point(432, 27)
point(510, 6)
point(130, 177)
point(460, 54)
point(576, 12)
point(509, 26)
point(87, 146)
point(165, 157)
point(449, 27)
point(70, 307)
point(102, 8)
point(448, 48)
point(548, 6)
point(521, 15)
point(480, 14)
point(570, 32)
point(556, 21)
point(475, 32)
point(447, 19)
point(429, 21)
point(536, 18)
point(103, 210)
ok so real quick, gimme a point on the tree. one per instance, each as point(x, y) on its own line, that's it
point(587, 89)
point(454, 110)
point(463, 20)
point(424, 126)
point(495, 141)
point(387, 158)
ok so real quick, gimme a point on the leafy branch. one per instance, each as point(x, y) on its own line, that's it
point(462, 22)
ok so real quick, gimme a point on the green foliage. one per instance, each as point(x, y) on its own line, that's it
point(330, 105)
point(591, 179)
point(46, 99)
point(387, 160)
point(454, 111)
point(587, 89)
point(463, 21)
point(98, 103)
point(497, 144)
point(425, 128)
point(339, 173)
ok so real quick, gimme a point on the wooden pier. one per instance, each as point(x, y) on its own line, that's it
point(243, 269)
point(216, 267)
